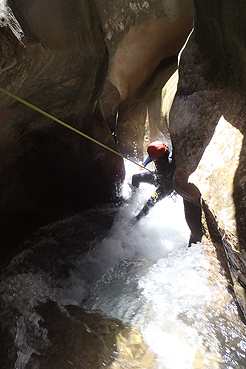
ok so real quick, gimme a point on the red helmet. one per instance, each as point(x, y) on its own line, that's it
point(156, 149)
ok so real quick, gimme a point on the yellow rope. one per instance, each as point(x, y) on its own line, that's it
point(67, 126)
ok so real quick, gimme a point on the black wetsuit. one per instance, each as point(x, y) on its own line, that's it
point(162, 179)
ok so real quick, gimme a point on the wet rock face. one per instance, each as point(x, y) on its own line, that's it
point(60, 66)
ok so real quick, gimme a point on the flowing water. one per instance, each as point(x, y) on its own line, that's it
point(144, 275)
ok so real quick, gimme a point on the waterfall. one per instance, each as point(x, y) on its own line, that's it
point(177, 295)
point(143, 274)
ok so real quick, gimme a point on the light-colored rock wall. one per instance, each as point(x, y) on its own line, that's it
point(143, 39)
point(210, 86)
point(215, 173)
point(209, 152)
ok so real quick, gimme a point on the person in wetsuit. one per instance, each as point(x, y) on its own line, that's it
point(162, 178)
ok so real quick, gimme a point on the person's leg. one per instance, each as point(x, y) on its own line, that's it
point(143, 177)
point(157, 196)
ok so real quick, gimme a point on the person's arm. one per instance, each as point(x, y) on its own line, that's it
point(147, 161)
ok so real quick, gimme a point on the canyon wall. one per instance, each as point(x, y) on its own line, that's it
point(97, 66)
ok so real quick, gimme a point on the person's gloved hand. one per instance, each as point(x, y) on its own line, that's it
point(141, 167)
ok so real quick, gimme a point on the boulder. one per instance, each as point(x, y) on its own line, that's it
point(88, 340)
